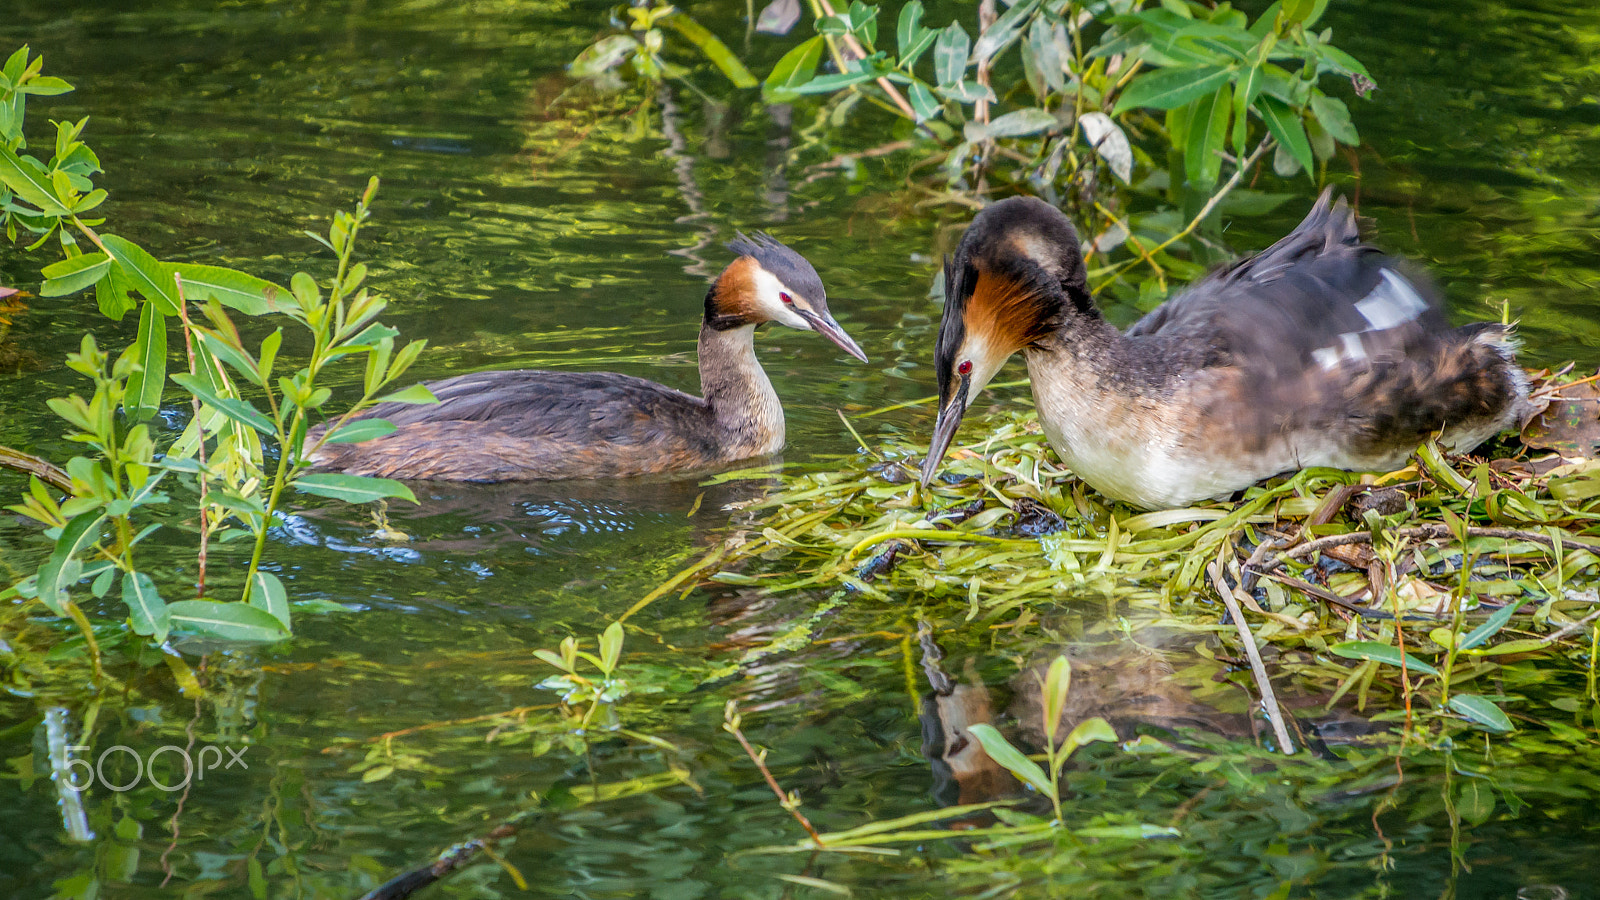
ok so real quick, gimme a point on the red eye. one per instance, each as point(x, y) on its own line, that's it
point(787, 300)
point(965, 368)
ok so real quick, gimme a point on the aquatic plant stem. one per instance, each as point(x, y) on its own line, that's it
point(200, 445)
point(1269, 700)
point(730, 724)
point(861, 53)
point(1227, 188)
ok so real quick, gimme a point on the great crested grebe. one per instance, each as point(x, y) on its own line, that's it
point(1320, 351)
point(537, 426)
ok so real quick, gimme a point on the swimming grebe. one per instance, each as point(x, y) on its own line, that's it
point(1320, 351)
point(536, 425)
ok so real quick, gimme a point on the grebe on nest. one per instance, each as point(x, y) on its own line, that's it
point(1320, 351)
point(537, 425)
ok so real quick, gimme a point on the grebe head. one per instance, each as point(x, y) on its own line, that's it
point(1015, 277)
point(771, 283)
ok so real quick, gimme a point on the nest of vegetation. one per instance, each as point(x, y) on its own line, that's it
point(1425, 584)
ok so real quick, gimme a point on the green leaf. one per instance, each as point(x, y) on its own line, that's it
point(1334, 117)
point(950, 52)
point(361, 430)
point(923, 103)
point(46, 86)
point(1169, 88)
point(236, 357)
point(70, 276)
point(1491, 627)
point(1057, 685)
point(1013, 124)
point(1383, 653)
point(417, 393)
point(713, 48)
point(797, 67)
point(229, 621)
point(352, 488)
point(143, 399)
point(827, 84)
point(112, 294)
point(267, 594)
point(1285, 125)
point(1012, 759)
point(601, 55)
point(238, 410)
point(1481, 710)
point(909, 29)
point(28, 180)
point(1089, 731)
point(1246, 87)
point(246, 293)
point(53, 575)
point(1005, 29)
point(1208, 129)
point(611, 646)
point(146, 610)
point(144, 273)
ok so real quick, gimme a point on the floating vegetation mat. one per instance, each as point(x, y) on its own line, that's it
point(1429, 595)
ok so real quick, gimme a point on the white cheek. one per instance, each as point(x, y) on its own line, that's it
point(771, 305)
point(986, 362)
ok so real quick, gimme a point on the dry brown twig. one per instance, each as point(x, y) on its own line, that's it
point(1269, 699)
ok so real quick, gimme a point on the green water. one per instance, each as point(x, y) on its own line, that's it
point(523, 224)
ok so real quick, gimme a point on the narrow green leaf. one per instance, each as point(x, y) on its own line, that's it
point(1208, 129)
point(237, 410)
point(78, 534)
point(144, 273)
point(1005, 29)
point(46, 86)
point(1492, 626)
point(361, 430)
point(417, 394)
point(1285, 125)
point(236, 357)
point(70, 276)
point(797, 67)
point(950, 52)
point(1010, 758)
point(234, 289)
point(1168, 88)
point(1020, 123)
point(30, 182)
point(143, 399)
point(1383, 653)
point(923, 102)
point(1481, 710)
point(146, 610)
point(1057, 685)
point(352, 488)
point(229, 621)
point(713, 48)
point(267, 594)
point(909, 28)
